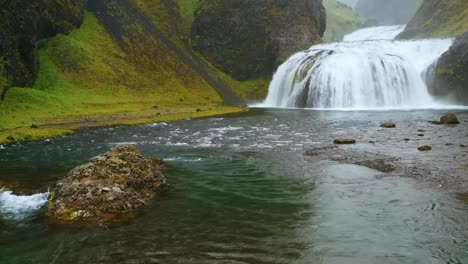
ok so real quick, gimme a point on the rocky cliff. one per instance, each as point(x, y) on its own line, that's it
point(248, 38)
point(23, 23)
point(395, 12)
point(438, 18)
point(449, 76)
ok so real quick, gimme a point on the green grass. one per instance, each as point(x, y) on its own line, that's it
point(341, 20)
point(87, 74)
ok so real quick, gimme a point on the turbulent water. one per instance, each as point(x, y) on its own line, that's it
point(367, 70)
point(244, 193)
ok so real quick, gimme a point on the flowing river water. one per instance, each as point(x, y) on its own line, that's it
point(243, 192)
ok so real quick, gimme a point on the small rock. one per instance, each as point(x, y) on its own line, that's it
point(198, 110)
point(425, 148)
point(11, 138)
point(420, 135)
point(449, 119)
point(463, 146)
point(34, 126)
point(421, 130)
point(106, 189)
point(344, 141)
point(181, 99)
point(155, 107)
point(116, 189)
point(449, 144)
point(158, 114)
point(406, 139)
point(388, 125)
point(371, 142)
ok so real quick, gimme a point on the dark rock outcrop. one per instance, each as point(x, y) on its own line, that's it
point(449, 119)
point(395, 12)
point(245, 38)
point(22, 24)
point(113, 187)
point(449, 76)
point(344, 141)
point(438, 18)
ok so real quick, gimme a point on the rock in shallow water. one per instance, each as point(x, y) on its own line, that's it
point(344, 141)
point(449, 119)
point(388, 125)
point(425, 148)
point(112, 188)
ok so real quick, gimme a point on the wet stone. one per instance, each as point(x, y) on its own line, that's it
point(388, 125)
point(344, 141)
point(425, 148)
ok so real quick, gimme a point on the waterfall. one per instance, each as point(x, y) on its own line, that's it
point(367, 70)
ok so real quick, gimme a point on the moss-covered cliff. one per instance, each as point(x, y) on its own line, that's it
point(120, 66)
point(249, 38)
point(449, 78)
point(22, 24)
point(341, 20)
point(438, 18)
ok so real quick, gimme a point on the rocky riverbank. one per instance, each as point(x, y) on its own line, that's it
point(434, 154)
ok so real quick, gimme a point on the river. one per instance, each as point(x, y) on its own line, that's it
point(243, 192)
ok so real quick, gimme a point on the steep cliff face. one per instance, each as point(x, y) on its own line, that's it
point(23, 23)
point(248, 38)
point(394, 12)
point(438, 18)
point(449, 77)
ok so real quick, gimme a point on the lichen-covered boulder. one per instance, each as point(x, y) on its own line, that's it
point(247, 38)
point(449, 76)
point(112, 188)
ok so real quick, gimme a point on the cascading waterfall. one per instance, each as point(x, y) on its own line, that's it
point(367, 70)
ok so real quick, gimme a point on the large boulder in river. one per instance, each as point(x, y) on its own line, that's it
point(113, 187)
point(449, 76)
point(247, 38)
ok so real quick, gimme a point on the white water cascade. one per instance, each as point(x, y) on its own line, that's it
point(367, 70)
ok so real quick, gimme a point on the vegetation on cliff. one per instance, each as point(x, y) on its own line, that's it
point(341, 20)
point(247, 38)
point(23, 23)
point(438, 18)
point(449, 76)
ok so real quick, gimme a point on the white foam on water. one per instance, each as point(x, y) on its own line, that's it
point(18, 207)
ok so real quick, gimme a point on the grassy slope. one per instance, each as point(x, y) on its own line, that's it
point(341, 20)
point(86, 74)
point(438, 19)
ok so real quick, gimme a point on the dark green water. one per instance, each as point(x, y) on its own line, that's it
point(243, 193)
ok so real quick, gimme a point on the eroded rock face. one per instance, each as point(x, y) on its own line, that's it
point(449, 77)
point(113, 187)
point(245, 38)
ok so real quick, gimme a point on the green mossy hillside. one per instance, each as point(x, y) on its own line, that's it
point(86, 73)
point(341, 20)
point(438, 19)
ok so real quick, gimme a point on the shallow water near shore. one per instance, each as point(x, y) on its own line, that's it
point(245, 193)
